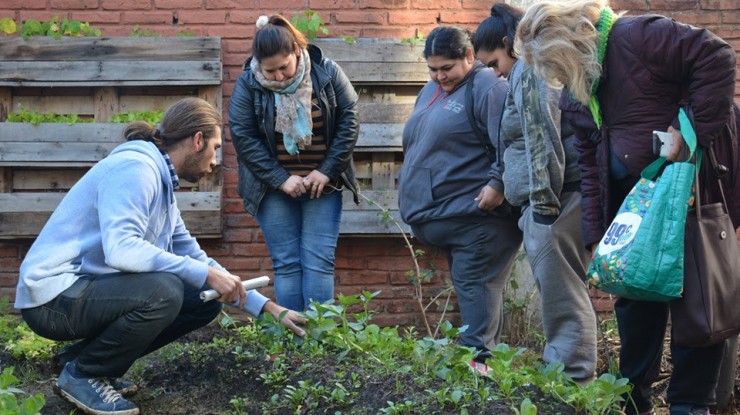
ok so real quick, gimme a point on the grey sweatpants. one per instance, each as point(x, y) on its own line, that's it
point(481, 253)
point(559, 263)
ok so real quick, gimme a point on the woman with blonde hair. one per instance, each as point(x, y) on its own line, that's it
point(624, 77)
point(293, 121)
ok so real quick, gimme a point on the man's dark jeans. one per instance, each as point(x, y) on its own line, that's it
point(121, 317)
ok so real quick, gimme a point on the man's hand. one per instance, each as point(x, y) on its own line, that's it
point(291, 319)
point(489, 198)
point(679, 152)
point(229, 286)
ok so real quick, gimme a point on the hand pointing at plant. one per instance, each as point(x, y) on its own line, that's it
point(286, 317)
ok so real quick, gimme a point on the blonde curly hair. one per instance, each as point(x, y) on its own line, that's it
point(560, 41)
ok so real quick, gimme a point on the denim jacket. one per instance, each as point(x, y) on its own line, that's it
point(252, 126)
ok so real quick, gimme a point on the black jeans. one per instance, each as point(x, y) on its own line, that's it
point(121, 317)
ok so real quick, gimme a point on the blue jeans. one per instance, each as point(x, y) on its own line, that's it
point(121, 317)
point(301, 235)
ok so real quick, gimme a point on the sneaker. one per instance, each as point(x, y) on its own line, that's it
point(125, 387)
point(482, 368)
point(688, 409)
point(94, 396)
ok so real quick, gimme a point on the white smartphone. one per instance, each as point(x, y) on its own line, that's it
point(662, 143)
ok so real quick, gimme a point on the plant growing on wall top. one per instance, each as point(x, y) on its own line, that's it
point(310, 24)
point(53, 28)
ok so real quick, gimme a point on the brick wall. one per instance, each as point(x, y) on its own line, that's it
point(363, 263)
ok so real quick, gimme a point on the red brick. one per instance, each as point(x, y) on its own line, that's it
point(8, 279)
point(731, 17)
point(42, 16)
point(231, 4)
point(238, 235)
point(331, 4)
point(673, 5)
point(718, 4)
point(390, 264)
point(401, 307)
point(147, 18)
point(202, 17)
point(74, 4)
point(363, 277)
point(240, 221)
point(361, 17)
point(413, 17)
point(433, 5)
point(469, 19)
point(621, 5)
point(697, 18)
point(346, 263)
point(178, 4)
point(230, 31)
point(384, 4)
point(245, 17)
point(24, 4)
point(479, 4)
point(233, 207)
point(126, 4)
point(237, 266)
point(97, 17)
point(391, 320)
point(214, 247)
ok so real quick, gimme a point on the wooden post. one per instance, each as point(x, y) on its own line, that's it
point(6, 102)
point(106, 103)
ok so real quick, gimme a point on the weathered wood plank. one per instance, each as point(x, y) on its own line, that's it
point(61, 104)
point(61, 133)
point(105, 103)
point(109, 73)
point(11, 153)
point(6, 101)
point(6, 179)
point(46, 179)
point(382, 170)
point(119, 48)
point(383, 136)
point(368, 222)
point(384, 112)
point(373, 61)
point(24, 214)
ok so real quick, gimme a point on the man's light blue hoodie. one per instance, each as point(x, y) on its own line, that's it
point(120, 217)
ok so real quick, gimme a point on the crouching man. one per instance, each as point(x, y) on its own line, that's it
point(115, 267)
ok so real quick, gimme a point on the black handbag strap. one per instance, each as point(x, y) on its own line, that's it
point(481, 134)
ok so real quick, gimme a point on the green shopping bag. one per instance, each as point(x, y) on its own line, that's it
point(641, 256)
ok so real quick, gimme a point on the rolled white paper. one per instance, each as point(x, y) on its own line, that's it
point(250, 284)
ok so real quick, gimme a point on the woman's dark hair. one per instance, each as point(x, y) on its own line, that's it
point(452, 42)
point(501, 24)
point(277, 36)
point(182, 120)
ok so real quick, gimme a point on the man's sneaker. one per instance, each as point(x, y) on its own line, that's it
point(482, 368)
point(125, 387)
point(94, 396)
point(683, 409)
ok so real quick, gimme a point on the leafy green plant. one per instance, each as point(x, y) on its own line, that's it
point(57, 29)
point(8, 26)
point(310, 24)
point(351, 40)
point(35, 118)
point(152, 117)
point(139, 32)
point(417, 39)
point(9, 403)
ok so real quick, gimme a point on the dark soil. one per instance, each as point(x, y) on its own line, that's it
point(205, 384)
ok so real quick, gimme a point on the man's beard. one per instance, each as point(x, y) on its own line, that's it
point(190, 168)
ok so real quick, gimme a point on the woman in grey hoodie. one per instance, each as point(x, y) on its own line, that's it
point(448, 193)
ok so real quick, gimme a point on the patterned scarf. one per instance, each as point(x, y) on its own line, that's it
point(604, 26)
point(293, 103)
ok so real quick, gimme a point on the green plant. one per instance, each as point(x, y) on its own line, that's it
point(152, 117)
point(8, 26)
point(138, 32)
point(9, 404)
point(351, 40)
point(33, 117)
point(57, 29)
point(310, 24)
point(417, 39)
